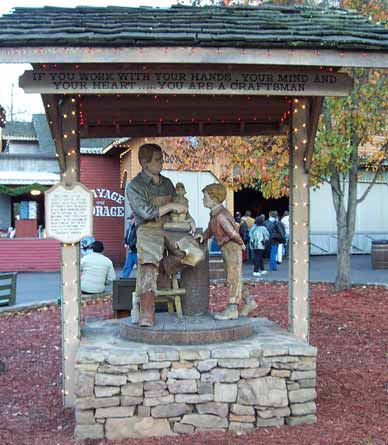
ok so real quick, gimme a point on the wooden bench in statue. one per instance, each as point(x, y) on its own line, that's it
point(7, 289)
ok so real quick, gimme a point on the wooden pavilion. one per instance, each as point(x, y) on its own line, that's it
point(125, 72)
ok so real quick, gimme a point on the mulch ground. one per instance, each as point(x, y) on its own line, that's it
point(349, 328)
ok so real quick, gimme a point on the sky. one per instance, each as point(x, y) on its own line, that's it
point(26, 104)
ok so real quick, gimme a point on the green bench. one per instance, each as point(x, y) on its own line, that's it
point(7, 289)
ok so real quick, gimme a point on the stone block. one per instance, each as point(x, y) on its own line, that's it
point(130, 400)
point(218, 375)
point(304, 350)
point(275, 421)
point(184, 374)
point(183, 428)
point(194, 398)
point(87, 367)
point(274, 350)
point(163, 356)
point(84, 385)
point(144, 376)
point(209, 421)
point(106, 391)
point(132, 389)
point(159, 400)
point(84, 417)
point(302, 395)
point(307, 383)
point(156, 365)
point(205, 388)
point(206, 365)
point(239, 427)
point(299, 375)
point(302, 409)
point(182, 386)
point(230, 353)
point(110, 380)
point(154, 386)
point(254, 373)
point(164, 373)
point(171, 410)
point(219, 409)
point(115, 411)
point(266, 391)
point(194, 355)
point(238, 363)
point(183, 365)
point(281, 373)
point(117, 429)
point(83, 432)
point(127, 358)
point(301, 420)
point(265, 413)
point(243, 419)
point(242, 410)
point(143, 411)
point(90, 355)
point(156, 393)
point(106, 368)
point(225, 392)
point(94, 402)
point(293, 386)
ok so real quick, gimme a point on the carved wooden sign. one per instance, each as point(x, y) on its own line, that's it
point(264, 82)
point(69, 212)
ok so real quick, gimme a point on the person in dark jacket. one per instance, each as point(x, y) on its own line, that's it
point(130, 244)
point(276, 237)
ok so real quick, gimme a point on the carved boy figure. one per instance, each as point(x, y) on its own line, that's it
point(151, 198)
point(225, 230)
point(180, 198)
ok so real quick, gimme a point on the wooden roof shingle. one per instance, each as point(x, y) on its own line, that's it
point(267, 26)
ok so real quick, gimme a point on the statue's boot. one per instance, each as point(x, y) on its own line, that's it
point(230, 313)
point(147, 307)
point(249, 305)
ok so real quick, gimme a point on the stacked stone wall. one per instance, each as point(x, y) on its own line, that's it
point(166, 391)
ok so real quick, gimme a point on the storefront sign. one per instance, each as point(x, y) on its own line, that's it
point(101, 207)
point(274, 82)
point(69, 212)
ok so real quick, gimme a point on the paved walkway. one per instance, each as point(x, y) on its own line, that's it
point(36, 286)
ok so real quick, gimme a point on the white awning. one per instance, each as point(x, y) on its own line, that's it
point(16, 178)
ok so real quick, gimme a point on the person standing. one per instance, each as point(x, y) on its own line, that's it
point(96, 270)
point(130, 244)
point(286, 224)
point(276, 237)
point(259, 236)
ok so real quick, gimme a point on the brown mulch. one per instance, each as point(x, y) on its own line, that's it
point(349, 328)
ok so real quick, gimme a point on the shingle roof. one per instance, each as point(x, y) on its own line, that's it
point(18, 130)
point(267, 26)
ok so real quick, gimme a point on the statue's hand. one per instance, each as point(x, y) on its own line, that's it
point(243, 247)
point(199, 238)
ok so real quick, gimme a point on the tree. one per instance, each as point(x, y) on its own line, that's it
point(346, 124)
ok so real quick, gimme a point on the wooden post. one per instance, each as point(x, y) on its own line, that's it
point(70, 268)
point(298, 291)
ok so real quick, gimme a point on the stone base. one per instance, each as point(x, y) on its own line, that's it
point(126, 389)
point(199, 330)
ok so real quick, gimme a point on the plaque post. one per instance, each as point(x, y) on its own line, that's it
point(70, 267)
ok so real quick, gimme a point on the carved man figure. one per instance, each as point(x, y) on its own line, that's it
point(223, 226)
point(150, 196)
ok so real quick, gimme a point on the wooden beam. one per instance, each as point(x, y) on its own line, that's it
point(299, 314)
point(315, 105)
point(183, 129)
point(199, 81)
point(70, 267)
point(50, 103)
point(196, 55)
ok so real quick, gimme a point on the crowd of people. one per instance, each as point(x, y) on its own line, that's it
point(264, 238)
